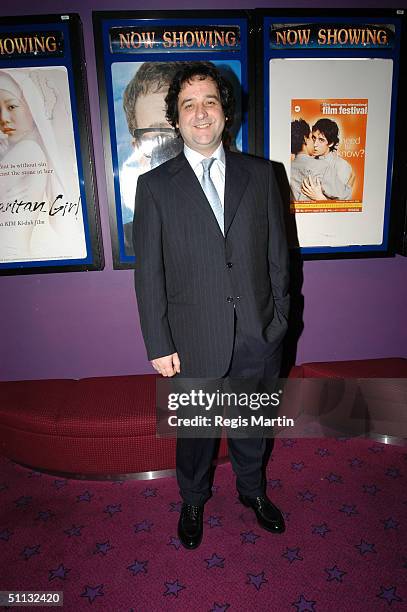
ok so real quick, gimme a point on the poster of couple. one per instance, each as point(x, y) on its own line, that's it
point(329, 126)
point(328, 139)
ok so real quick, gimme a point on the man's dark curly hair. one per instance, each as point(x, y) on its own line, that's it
point(330, 130)
point(300, 130)
point(201, 70)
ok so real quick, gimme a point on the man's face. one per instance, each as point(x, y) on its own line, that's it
point(150, 113)
point(200, 115)
point(321, 144)
point(150, 110)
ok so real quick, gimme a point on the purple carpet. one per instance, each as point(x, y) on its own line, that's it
point(113, 546)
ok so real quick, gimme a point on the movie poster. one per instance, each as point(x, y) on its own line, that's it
point(138, 56)
point(40, 203)
point(144, 138)
point(347, 176)
point(328, 139)
point(330, 84)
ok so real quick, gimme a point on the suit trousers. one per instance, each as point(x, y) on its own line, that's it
point(194, 455)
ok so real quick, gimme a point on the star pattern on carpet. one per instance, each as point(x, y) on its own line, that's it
point(364, 547)
point(292, 554)
point(173, 588)
point(149, 493)
point(288, 442)
point(176, 506)
point(60, 572)
point(113, 509)
point(75, 530)
point(307, 496)
point(334, 478)
point(59, 483)
point(103, 548)
point(355, 462)
point(334, 573)
point(389, 594)
point(138, 567)
point(143, 526)
point(257, 580)
point(249, 537)
point(30, 551)
point(44, 515)
point(297, 467)
point(92, 592)
point(175, 542)
point(371, 489)
point(390, 523)
point(5, 535)
point(349, 509)
point(23, 501)
point(214, 521)
point(217, 607)
point(322, 452)
point(393, 472)
point(84, 497)
point(215, 561)
point(304, 605)
point(321, 530)
point(93, 562)
point(376, 449)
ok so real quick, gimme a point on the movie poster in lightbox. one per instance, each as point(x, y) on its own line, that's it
point(328, 139)
point(40, 209)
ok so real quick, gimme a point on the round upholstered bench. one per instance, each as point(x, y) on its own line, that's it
point(374, 405)
point(92, 426)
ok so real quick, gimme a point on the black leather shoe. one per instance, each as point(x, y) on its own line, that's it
point(190, 526)
point(268, 515)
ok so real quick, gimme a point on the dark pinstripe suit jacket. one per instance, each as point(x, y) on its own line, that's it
point(189, 277)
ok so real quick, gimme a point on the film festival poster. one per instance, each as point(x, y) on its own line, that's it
point(40, 204)
point(328, 177)
point(144, 138)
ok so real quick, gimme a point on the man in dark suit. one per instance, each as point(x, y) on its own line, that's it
point(211, 278)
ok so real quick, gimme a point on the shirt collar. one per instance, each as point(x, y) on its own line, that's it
point(196, 158)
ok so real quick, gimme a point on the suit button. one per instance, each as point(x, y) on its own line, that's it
point(229, 264)
point(229, 299)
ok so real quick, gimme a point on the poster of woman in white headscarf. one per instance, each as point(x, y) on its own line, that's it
point(41, 215)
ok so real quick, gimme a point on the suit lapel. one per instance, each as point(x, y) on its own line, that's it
point(236, 180)
point(184, 179)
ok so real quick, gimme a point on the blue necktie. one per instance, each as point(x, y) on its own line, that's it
point(211, 193)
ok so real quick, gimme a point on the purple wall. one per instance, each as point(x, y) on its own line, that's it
point(86, 324)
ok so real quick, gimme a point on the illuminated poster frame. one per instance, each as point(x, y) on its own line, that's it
point(341, 68)
point(136, 54)
point(49, 218)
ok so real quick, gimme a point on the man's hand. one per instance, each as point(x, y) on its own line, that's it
point(168, 365)
point(313, 190)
